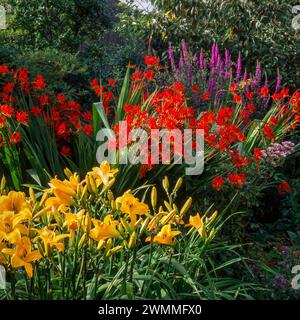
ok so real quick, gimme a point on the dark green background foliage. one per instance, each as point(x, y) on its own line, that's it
point(104, 36)
point(260, 30)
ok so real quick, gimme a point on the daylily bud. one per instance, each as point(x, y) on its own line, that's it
point(44, 198)
point(113, 204)
point(101, 245)
point(68, 173)
point(81, 241)
point(125, 225)
point(186, 206)
point(178, 185)
point(168, 217)
point(109, 185)
point(144, 225)
point(132, 241)
point(165, 183)
point(32, 195)
point(168, 206)
point(83, 191)
point(110, 196)
point(113, 250)
point(153, 197)
point(108, 244)
point(2, 185)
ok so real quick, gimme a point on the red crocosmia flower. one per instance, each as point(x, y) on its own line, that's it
point(151, 61)
point(238, 160)
point(4, 70)
point(8, 87)
point(65, 151)
point(217, 183)
point(137, 76)
point(7, 111)
point(232, 87)
point(22, 117)
point(62, 129)
point(277, 96)
point(1, 141)
point(195, 88)
point(273, 121)
point(2, 122)
point(237, 98)
point(284, 187)
point(249, 95)
point(107, 95)
point(99, 90)
point(39, 83)
point(74, 105)
point(257, 154)
point(205, 96)
point(237, 179)
point(61, 98)
point(269, 133)
point(111, 82)
point(87, 115)
point(149, 74)
point(224, 116)
point(284, 92)
point(264, 91)
point(88, 129)
point(35, 111)
point(245, 116)
point(43, 100)
point(250, 108)
point(15, 137)
point(94, 83)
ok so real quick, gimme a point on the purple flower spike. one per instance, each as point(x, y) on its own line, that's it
point(180, 64)
point(258, 74)
point(184, 50)
point(227, 59)
point(245, 76)
point(201, 60)
point(238, 67)
point(171, 55)
point(266, 81)
point(190, 74)
point(278, 82)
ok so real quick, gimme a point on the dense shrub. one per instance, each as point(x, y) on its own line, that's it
point(262, 30)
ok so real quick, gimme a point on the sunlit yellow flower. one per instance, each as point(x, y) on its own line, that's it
point(64, 191)
point(22, 256)
point(198, 223)
point(74, 221)
point(103, 173)
point(2, 258)
point(50, 240)
point(165, 236)
point(14, 209)
point(105, 229)
point(132, 206)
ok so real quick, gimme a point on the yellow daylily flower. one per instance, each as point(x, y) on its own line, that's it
point(15, 202)
point(165, 236)
point(14, 209)
point(105, 229)
point(198, 223)
point(103, 173)
point(2, 258)
point(50, 240)
point(75, 220)
point(64, 191)
point(132, 206)
point(22, 255)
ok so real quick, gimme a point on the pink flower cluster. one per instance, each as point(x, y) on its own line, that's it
point(278, 151)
